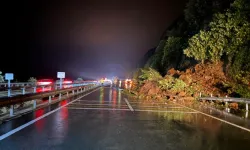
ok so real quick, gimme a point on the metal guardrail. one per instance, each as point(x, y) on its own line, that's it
point(9, 102)
point(6, 101)
point(228, 99)
point(23, 87)
point(17, 84)
point(24, 84)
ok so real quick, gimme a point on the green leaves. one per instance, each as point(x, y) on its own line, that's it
point(168, 83)
point(229, 32)
point(198, 46)
point(32, 79)
point(171, 51)
point(150, 75)
point(172, 84)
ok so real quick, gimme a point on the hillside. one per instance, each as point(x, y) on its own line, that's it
point(207, 51)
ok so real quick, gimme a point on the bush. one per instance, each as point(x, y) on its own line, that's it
point(172, 84)
point(166, 84)
point(150, 75)
point(32, 79)
point(179, 86)
point(241, 90)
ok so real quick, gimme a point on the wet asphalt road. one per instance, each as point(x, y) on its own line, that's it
point(102, 120)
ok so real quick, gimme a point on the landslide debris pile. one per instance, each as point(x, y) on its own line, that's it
point(205, 78)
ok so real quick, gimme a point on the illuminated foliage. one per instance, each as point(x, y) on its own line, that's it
point(79, 79)
point(32, 79)
point(229, 32)
point(172, 84)
point(150, 75)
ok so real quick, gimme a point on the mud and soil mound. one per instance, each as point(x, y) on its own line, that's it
point(204, 78)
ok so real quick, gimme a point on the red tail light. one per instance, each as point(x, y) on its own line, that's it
point(44, 82)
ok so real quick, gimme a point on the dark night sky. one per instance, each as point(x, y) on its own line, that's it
point(89, 38)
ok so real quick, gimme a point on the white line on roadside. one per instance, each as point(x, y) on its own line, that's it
point(167, 111)
point(88, 108)
point(89, 100)
point(243, 128)
point(129, 106)
point(95, 104)
point(39, 118)
point(141, 106)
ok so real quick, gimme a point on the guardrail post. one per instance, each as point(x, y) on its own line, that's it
point(43, 88)
point(200, 94)
point(81, 90)
point(246, 106)
point(67, 93)
point(11, 110)
point(49, 99)
point(23, 90)
point(34, 89)
point(73, 92)
point(34, 104)
point(60, 95)
point(9, 92)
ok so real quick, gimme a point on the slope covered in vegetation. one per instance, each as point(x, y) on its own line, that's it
point(207, 50)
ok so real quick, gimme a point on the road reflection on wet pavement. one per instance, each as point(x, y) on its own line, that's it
point(104, 120)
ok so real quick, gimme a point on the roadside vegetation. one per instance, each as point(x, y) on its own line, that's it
point(32, 80)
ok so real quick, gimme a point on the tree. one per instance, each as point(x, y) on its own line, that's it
point(155, 61)
point(79, 79)
point(198, 13)
point(32, 79)
point(195, 13)
point(198, 45)
point(172, 52)
point(1, 77)
point(229, 32)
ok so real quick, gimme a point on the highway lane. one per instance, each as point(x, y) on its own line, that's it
point(106, 119)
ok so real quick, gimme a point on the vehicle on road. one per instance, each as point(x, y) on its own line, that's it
point(44, 85)
point(67, 83)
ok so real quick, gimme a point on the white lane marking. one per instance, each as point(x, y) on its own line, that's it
point(96, 104)
point(235, 125)
point(129, 106)
point(39, 118)
point(169, 111)
point(152, 103)
point(98, 108)
point(89, 100)
point(141, 106)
